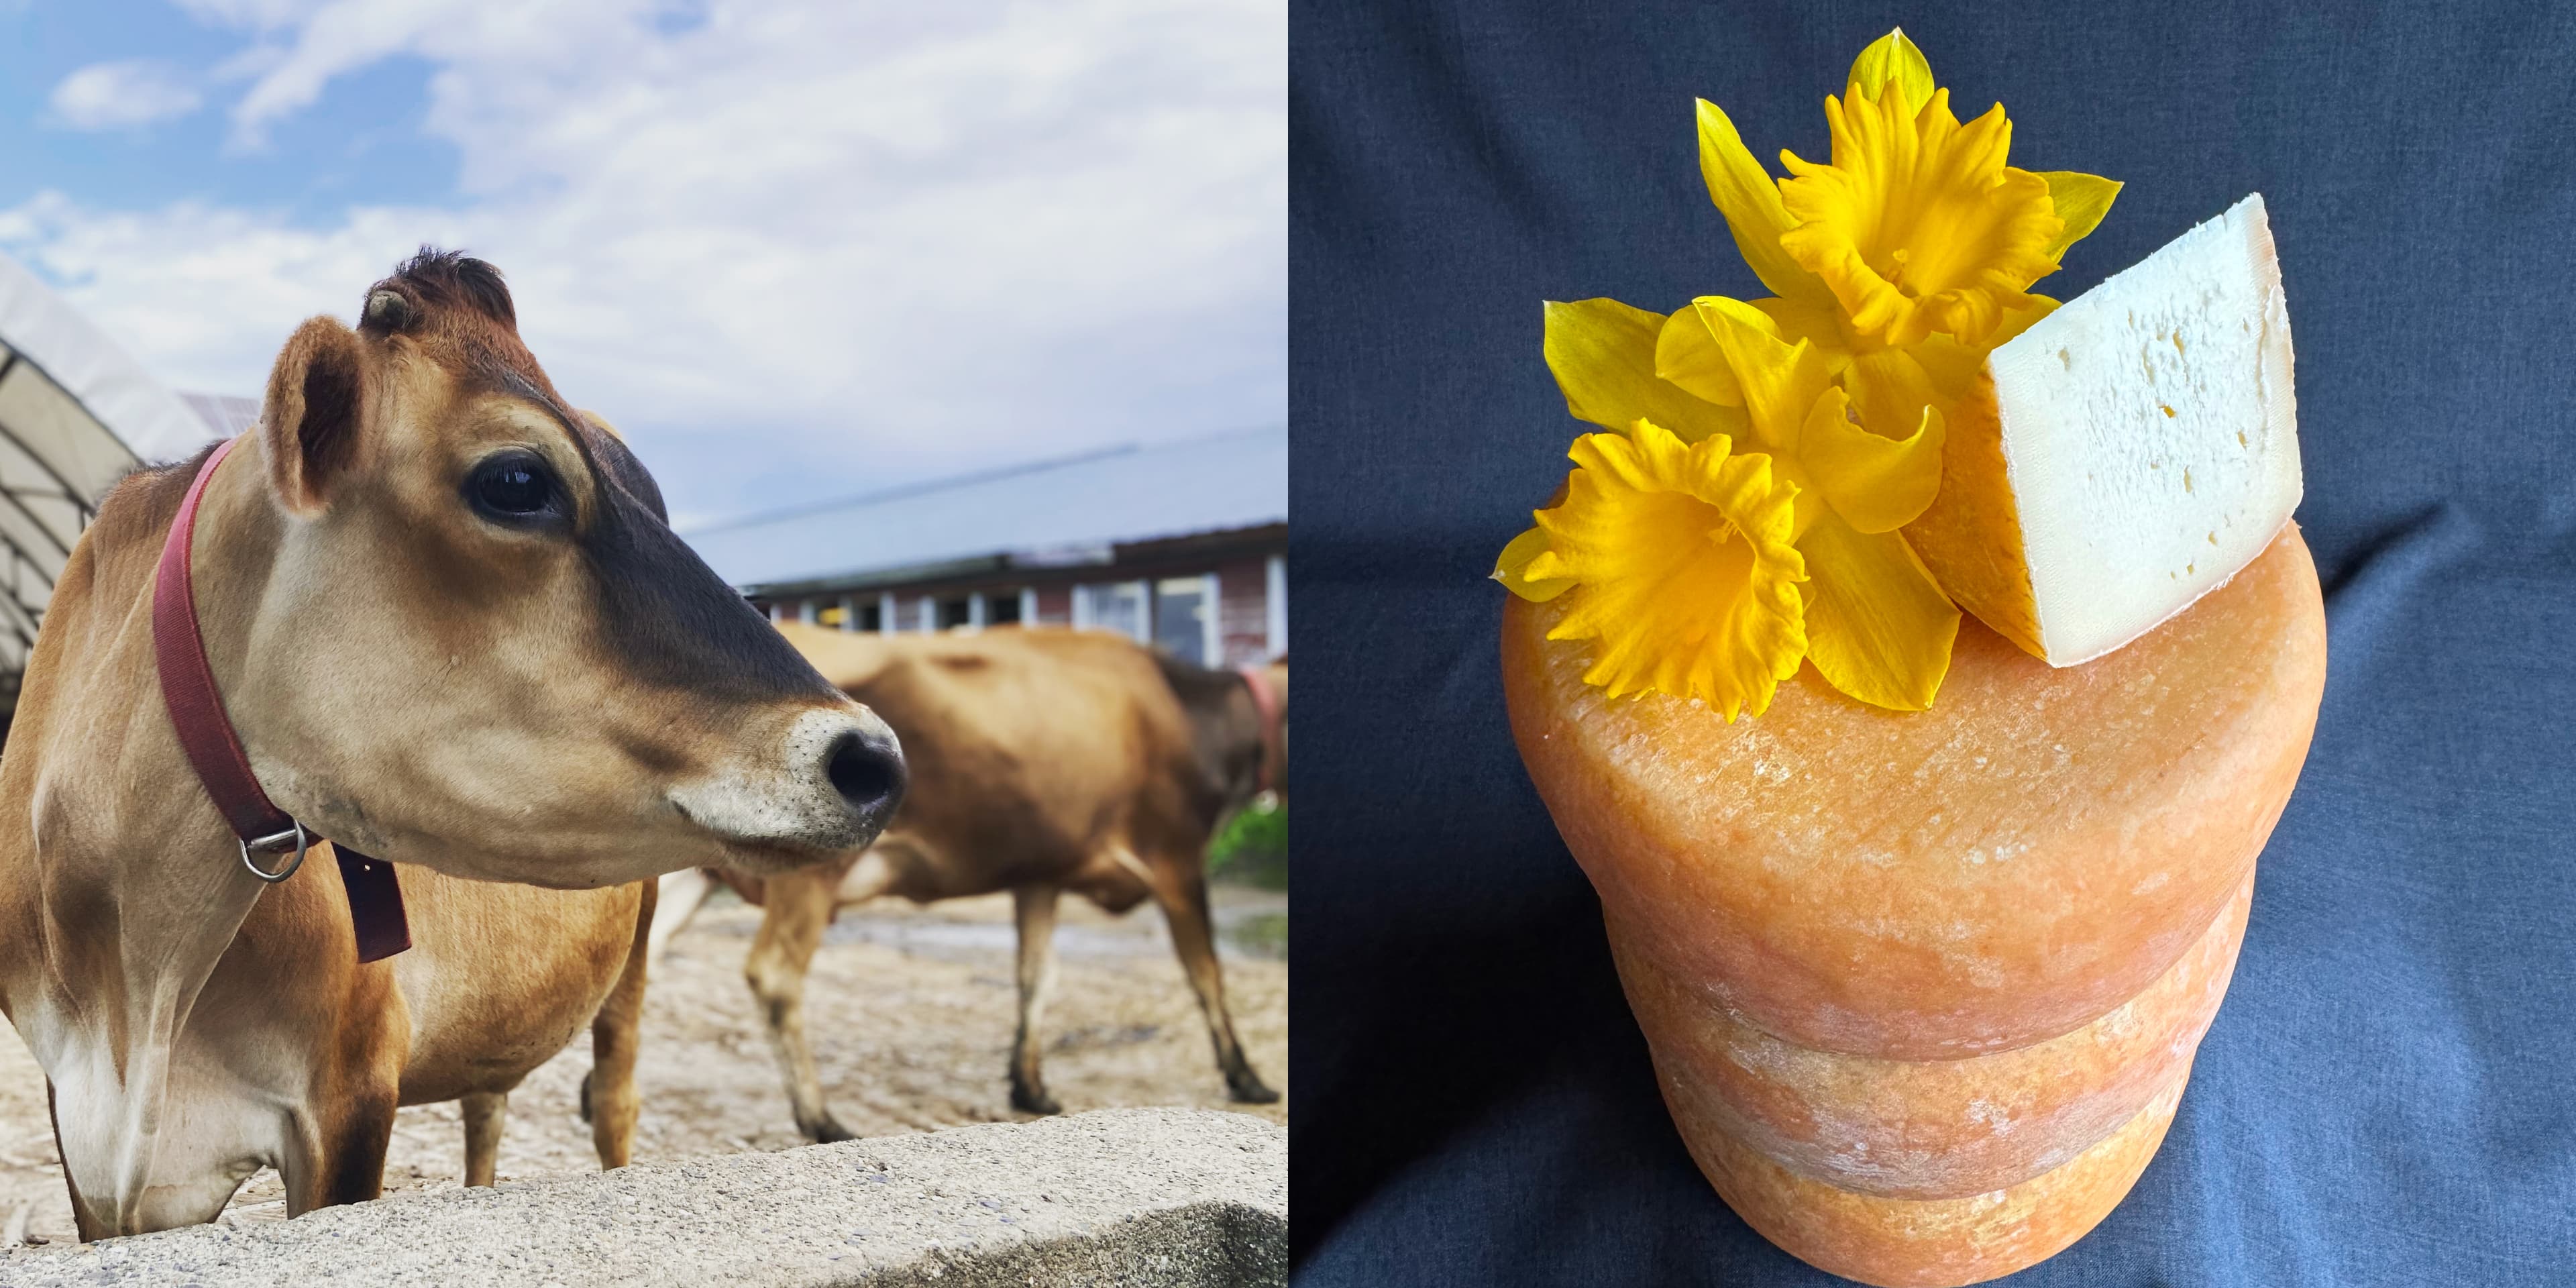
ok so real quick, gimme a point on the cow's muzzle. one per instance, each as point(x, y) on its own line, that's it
point(830, 784)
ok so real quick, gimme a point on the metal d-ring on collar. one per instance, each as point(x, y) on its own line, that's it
point(276, 844)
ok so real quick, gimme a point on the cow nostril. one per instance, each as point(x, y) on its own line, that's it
point(868, 774)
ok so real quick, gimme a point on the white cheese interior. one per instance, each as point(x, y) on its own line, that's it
point(2150, 435)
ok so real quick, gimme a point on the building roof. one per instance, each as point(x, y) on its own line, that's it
point(76, 414)
point(1070, 510)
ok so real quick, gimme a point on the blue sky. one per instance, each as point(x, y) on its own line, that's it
point(794, 249)
point(365, 139)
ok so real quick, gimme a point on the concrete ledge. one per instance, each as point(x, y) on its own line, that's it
point(1180, 1197)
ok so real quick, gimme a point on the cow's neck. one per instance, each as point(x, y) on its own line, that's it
point(144, 884)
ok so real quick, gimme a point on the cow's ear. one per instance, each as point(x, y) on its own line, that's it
point(311, 420)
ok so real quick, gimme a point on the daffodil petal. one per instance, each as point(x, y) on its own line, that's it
point(1875, 483)
point(1894, 58)
point(1779, 382)
point(2082, 199)
point(1512, 569)
point(1603, 354)
point(1891, 387)
point(1817, 322)
point(1878, 627)
point(1687, 355)
point(1712, 309)
point(1750, 199)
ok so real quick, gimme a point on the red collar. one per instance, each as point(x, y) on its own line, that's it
point(1266, 700)
point(223, 768)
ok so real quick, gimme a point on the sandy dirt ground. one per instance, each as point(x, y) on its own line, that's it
point(910, 1011)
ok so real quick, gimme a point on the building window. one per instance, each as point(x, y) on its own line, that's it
point(871, 616)
point(954, 613)
point(1184, 613)
point(1119, 607)
point(1276, 602)
point(1001, 610)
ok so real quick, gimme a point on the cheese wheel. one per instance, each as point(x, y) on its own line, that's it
point(1996, 871)
point(1934, 1129)
point(1939, 1243)
point(2127, 453)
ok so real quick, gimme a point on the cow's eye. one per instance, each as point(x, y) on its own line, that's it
point(515, 488)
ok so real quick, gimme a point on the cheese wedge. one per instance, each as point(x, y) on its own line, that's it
point(2128, 453)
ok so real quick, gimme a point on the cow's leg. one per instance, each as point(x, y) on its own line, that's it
point(356, 1168)
point(485, 1112)
point(333, 1148)
point(1036, 907)
point(678, 898)
point(1180, 886)
point(797, 908)
point(83, 1224)
point(608, 1097)
point(172, 1201)
point(338, 1155)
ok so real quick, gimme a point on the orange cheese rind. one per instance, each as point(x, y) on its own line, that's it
point(1933, 1129)
point(1922, 991)
point(1995, 872)
point(1937, 1243)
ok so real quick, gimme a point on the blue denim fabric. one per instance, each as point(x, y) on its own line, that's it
point(2386, 1098)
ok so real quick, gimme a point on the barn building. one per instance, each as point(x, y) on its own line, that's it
point(1182, 545)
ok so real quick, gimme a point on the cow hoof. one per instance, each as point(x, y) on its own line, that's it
point(827, 1132)
point(1248, 1090)
point(1036, 1101)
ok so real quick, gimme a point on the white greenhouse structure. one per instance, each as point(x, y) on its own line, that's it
point(76, 414)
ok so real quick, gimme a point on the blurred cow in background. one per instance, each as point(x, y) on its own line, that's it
point(1040, 762)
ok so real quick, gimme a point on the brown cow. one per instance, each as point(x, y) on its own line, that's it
point(451, 627)
point(1041, 761)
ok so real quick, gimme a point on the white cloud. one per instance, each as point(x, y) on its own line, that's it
point(122, 96)
point(797, 247)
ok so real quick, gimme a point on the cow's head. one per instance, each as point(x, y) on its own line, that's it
point(1239, 733)
point(479, 645)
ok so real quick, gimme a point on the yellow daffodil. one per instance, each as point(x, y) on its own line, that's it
point(1918, 225)
point(1896, 267)
point(1876, 625)
point(1910, 256)
point(1679, 561)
